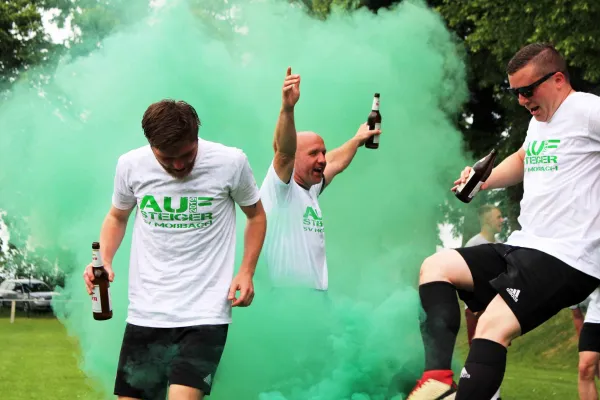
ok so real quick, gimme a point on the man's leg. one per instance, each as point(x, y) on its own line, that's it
point(535, 287)
point(589, 357)
point(193, 368)
point(441, 276)
point(141, 371)
point(484, 368)
point(588, 364)
point(471, 320)
point(180, 392)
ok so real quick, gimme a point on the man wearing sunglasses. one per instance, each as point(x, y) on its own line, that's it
point(552, 262)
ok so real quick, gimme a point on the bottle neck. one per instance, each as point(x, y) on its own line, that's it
point(375, 106)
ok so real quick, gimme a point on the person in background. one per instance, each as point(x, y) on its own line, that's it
point(588, 330)
point(490, 221)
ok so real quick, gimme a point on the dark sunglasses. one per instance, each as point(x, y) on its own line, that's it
point(527, 91)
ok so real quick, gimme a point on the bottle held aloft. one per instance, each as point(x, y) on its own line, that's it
point(374, 122)
point(480, 172)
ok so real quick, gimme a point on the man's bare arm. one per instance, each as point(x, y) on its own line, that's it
point(508, 173)
point(284, 141)
point(285, 145)
point(339, 159)
point(254, 236)
point(112, 233)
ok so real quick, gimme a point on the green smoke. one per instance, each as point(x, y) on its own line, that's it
point(58, 153)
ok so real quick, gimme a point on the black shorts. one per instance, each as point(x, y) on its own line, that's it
point(153, 358)
point(534, 284)
point(589, 339)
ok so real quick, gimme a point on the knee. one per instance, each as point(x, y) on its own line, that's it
point(432, 270)
point(495, 325)
point(587, 371)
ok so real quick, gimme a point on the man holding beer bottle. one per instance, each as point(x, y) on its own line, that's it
point(300, 171)
point(552, 262)
point(184, 190)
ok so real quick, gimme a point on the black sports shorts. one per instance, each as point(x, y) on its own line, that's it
point(589, 338)
point(534, 284)
point(153, 358)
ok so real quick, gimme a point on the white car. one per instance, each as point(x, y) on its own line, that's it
point(33, 294)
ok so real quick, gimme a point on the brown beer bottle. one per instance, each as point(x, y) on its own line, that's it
point(479, 174)
point(101, 302)
point(374, 122)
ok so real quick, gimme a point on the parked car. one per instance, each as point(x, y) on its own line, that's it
point(33, 293)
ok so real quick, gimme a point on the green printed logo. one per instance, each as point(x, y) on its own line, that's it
point(540, 156)
point(183, 212)
point(312, 221)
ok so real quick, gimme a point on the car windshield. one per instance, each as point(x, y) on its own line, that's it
point(36, 287)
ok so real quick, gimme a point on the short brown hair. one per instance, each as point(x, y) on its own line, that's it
point(484, 209)
point(546, 58)
point(167, 124)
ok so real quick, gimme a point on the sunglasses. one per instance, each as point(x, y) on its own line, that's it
point(527, 91)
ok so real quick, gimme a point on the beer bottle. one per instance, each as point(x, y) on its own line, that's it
point(101, 302)
point(479, 174)
point(374, 122)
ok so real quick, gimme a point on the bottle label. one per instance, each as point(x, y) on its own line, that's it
point(375, 105)
point(96, 305)
point(462, 185)
point(376, 137)
point(475, 189)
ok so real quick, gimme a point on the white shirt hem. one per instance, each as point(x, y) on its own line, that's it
point(165, 324)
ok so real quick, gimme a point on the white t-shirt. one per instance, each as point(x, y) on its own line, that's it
point(593, 312)
point(295, 241)
point(560, 209)
point(183, 245)
point(477, 240)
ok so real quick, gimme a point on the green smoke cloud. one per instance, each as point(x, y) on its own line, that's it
point(361, 341)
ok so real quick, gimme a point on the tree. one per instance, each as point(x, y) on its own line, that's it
point(24, 43)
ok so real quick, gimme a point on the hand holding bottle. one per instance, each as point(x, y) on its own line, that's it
point(464, 175)
point(473, 179)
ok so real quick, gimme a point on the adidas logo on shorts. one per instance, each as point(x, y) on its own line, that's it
point(464, 374)
point(514, 293)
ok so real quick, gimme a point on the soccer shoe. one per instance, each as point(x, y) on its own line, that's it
point(432, 389)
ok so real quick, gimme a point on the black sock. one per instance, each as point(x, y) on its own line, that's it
point(441, 323)
point(483, 372)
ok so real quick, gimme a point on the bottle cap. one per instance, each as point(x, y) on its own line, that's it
point(95, 246)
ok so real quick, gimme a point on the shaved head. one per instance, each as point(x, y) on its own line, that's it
point(307, 138)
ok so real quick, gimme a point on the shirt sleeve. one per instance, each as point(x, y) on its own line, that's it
point(594, 122)
point(274, 188)
point(123, 197)
point(245, 191)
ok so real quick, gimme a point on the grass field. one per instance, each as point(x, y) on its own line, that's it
point(38, 361)
point(36, 352)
